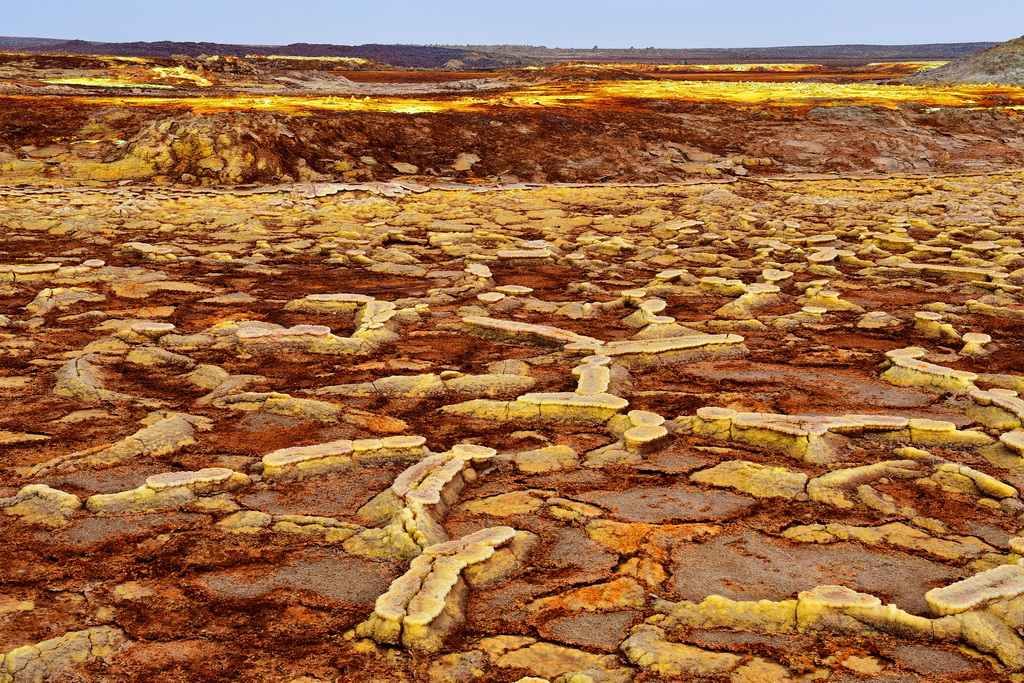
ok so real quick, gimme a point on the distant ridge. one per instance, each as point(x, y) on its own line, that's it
point(398, 55)
point(1001, 64)
point(923, 52)
point(496, 56)
point(12, 41)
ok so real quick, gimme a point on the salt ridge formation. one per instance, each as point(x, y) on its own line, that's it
point(745, 431)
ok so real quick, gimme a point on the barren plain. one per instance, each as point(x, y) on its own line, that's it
point(581, 375)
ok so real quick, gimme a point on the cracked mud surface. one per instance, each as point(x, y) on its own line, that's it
point(765, 430)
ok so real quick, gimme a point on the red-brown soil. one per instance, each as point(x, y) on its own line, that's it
point(195, 602)
point(219, 210)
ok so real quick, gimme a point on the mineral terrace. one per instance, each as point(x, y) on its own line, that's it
point(733, 428)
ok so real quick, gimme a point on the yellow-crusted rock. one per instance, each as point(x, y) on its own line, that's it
point(758, 480)
point(649, 648)
point(41, 504)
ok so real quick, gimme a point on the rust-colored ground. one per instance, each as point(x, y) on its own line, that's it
point(193, 601)
point(418, 76)
point(886, 225)
point(233, 122)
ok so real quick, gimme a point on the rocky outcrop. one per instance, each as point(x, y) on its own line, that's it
point(221, 148)
point(1001, 64)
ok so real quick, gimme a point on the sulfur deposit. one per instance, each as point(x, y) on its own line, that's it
point(767, 430)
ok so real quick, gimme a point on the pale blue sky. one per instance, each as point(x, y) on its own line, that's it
point(555, 23)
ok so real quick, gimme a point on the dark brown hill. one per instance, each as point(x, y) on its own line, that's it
point(410, 56)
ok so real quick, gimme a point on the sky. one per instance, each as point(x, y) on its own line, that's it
point(554, 23)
